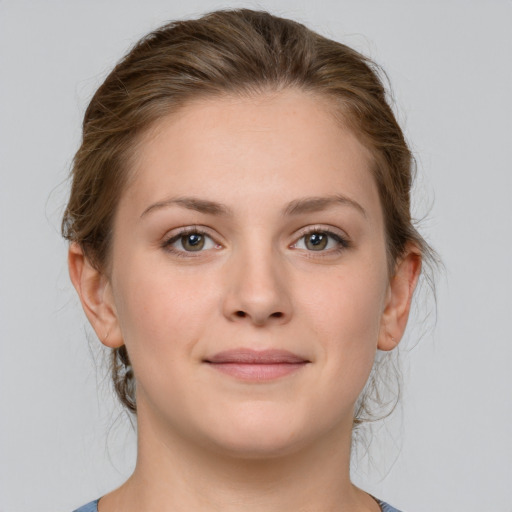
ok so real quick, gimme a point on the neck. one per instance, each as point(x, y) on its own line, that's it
point(177, 475)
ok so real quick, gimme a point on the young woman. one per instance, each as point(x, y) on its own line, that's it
point(240, 237)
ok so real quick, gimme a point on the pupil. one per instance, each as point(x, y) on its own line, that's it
point(317, 241)
point(194, 239)
point(193, 242)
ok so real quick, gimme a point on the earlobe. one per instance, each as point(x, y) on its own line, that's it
point(398, 300)
point(95, 293)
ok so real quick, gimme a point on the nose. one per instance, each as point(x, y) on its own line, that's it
point(257, 291)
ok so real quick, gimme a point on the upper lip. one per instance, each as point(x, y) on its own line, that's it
point(250, 356)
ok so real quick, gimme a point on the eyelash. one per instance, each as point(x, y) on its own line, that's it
point(342, 242)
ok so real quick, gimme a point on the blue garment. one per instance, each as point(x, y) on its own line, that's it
point(383, 506)
point(90, 507)
point(93, 507)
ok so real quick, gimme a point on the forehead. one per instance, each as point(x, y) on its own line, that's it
point(285, 145)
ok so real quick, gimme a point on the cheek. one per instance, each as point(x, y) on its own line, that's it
point(349, 303)
point(346, 319)
point(161, 315)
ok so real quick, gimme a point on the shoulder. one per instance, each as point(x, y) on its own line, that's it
point(93, 507)
point(90, 507)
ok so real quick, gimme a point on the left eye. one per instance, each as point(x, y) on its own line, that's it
point(191, 242)
point(319, 241)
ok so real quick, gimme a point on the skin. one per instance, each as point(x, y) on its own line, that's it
point(209, 441)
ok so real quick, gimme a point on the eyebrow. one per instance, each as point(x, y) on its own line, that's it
point(296, 207)
point(316, 204)
point(191, 203)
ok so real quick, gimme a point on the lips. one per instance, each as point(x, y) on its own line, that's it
point(247, 364)
point(248, 356)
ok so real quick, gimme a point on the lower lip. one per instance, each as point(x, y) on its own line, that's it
point(257, 372)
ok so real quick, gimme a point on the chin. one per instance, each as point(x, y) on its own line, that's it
point(257, 448)
point(259, 436)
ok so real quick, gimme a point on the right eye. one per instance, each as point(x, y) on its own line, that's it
point(189, 241)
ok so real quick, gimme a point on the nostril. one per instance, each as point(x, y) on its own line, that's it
point(243, 314)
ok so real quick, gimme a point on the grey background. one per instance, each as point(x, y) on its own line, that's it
point(64, 441)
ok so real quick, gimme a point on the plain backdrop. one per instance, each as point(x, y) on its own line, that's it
point(64, 441)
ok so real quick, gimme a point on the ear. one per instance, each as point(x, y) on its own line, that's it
point(399, 297)
point(95, 292)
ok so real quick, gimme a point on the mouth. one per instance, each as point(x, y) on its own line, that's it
point(253, 365)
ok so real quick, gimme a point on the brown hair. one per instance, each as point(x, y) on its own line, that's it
point(227, 52)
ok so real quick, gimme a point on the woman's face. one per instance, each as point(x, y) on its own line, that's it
point(249, 275)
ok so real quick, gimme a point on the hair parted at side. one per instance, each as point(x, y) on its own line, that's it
point(240, 52)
